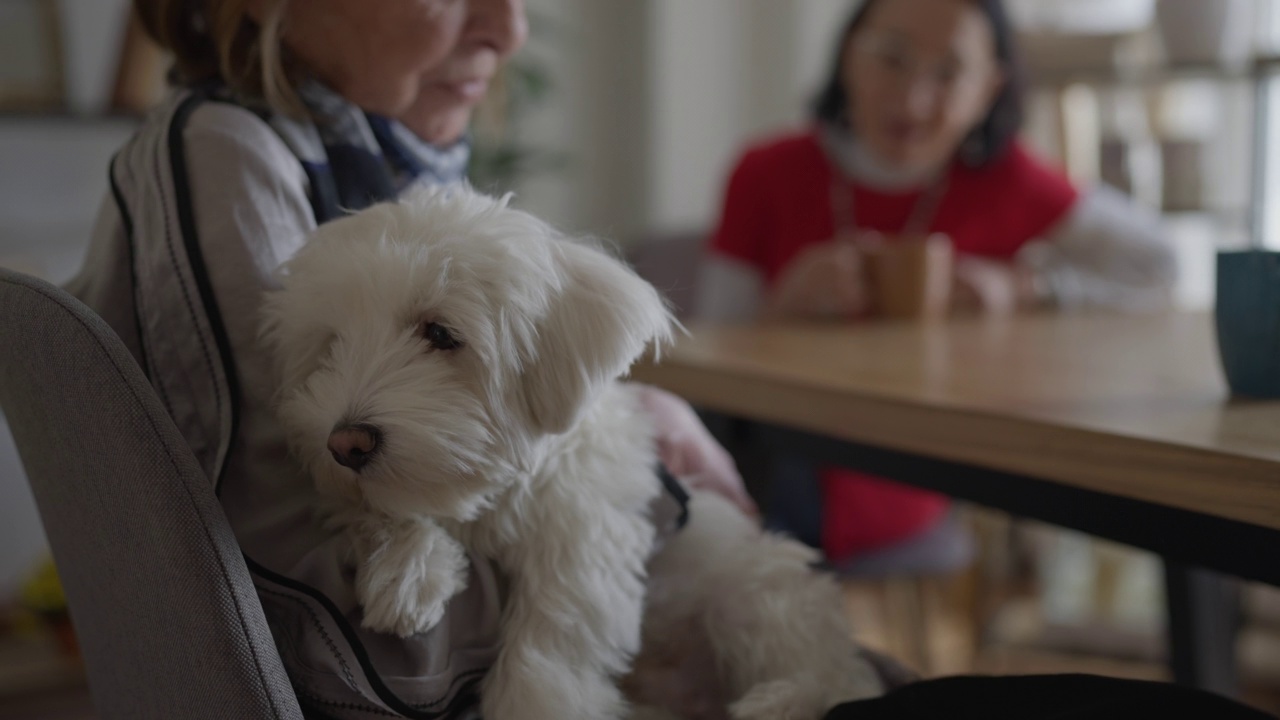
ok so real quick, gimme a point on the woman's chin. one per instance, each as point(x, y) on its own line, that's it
point(908, 158)
point(440, 129)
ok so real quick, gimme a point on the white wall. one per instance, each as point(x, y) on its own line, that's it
point(54, 176)
point(727, 72)
point(655, 99)
point(596, 115)
point(92, 31)
point(696, 60)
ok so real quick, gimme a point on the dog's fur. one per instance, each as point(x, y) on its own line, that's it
point(520, 445)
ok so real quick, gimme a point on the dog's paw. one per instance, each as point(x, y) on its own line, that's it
point(400, 612)
point(405, 585)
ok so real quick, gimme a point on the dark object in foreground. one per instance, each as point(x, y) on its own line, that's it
point(1043, 697)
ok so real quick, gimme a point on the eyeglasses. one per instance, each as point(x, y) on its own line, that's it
point(894, 57)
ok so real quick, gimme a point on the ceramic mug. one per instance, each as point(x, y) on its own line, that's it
point(910, 276)
point(1248, 321)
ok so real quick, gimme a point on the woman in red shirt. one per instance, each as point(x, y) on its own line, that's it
point(916, 132)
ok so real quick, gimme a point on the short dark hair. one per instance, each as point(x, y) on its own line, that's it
point(995, 133)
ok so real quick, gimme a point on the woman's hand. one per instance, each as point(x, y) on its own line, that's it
point(689, 452)
point(824, 281)
point(981, 286)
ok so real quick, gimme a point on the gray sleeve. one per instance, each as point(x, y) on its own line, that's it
point(1109, 253)
point(729, 291)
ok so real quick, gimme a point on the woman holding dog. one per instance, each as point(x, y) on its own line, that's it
point(915, 134)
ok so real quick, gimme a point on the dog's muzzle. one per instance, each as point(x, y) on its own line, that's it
point(353, 446)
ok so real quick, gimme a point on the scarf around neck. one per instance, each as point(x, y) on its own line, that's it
point(354, 159)
point(852, 158)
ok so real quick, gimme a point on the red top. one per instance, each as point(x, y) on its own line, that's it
point(778, 203)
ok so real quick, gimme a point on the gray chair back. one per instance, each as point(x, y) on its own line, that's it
point(164, 609)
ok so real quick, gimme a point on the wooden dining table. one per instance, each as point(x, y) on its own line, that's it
point(1118, 426)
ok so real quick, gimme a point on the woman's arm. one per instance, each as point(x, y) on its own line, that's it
point(729, 290)
point(689, 451)
point(1108, 253)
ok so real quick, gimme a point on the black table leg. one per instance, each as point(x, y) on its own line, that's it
point(741, 439)
point(1204, 617)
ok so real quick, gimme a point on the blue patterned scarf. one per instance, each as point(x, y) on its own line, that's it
point(354, 159)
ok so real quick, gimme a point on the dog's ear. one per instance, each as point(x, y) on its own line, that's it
point(601, 318)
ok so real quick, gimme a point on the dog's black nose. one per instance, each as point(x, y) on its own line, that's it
point(354, 445)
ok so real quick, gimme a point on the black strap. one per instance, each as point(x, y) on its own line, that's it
point(677, 492)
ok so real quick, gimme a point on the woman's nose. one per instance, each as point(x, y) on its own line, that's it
point(921, 98)
point(500, 24)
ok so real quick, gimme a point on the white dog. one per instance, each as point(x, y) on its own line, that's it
point(449, 370)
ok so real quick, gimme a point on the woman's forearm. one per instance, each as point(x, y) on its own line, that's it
point(1108, 254)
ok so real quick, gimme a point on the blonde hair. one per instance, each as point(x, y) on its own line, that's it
point(219, 40)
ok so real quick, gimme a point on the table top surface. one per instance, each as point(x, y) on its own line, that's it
point(1130, 405)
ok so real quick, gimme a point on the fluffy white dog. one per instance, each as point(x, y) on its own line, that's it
point(449, 371)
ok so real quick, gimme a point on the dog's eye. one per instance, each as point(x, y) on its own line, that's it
point(440, 337)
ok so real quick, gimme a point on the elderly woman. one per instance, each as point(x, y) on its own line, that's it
point(915, 133)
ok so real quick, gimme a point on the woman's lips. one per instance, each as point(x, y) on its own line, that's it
point(901, 132)
point(470, 90)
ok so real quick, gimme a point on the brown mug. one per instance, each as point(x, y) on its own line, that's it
point(910, 276)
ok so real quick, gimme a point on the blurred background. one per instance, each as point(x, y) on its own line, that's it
point(621, 119)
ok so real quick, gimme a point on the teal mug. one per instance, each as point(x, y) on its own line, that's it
point(1248, 321)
